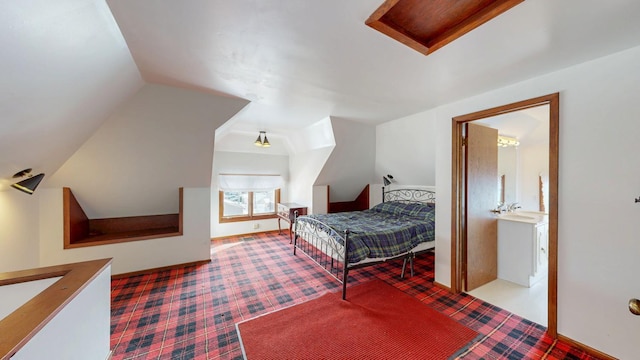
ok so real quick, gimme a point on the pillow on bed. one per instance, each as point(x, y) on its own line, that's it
point(418, 210)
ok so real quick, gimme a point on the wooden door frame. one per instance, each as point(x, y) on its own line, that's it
point(457, 195)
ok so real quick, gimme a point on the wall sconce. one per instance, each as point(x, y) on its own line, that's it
point(29, 184)
point(387, 180)
point(505, 141)
point(262, 140)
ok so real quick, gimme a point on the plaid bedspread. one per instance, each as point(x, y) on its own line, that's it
point(386, 230)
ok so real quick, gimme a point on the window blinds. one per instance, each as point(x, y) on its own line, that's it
point(234, 182)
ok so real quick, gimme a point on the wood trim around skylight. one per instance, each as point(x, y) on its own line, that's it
point(426, 26)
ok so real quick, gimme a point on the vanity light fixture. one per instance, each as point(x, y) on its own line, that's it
point(505, 141)
point(29, 184)
point(262, 140)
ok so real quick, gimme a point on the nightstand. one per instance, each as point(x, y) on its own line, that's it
point(286, 212)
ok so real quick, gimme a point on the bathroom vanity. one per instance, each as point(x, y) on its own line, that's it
point(523, 239)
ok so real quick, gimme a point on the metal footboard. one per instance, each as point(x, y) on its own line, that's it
point(328, 248)
point(325, 246)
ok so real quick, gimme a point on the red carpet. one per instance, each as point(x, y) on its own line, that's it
point(376, 322)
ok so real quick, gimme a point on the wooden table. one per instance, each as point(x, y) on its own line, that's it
point(286, 212)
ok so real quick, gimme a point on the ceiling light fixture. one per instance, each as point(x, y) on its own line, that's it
point(29, 184)
point(505, 141)
point(262, 140)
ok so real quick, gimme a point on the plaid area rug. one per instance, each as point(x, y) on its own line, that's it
point(377, 321)
point(190, 313)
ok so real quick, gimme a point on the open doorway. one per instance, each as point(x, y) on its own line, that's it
point(464, 220)
point(519, 198)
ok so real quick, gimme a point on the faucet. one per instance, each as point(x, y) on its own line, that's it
point(513, 206)
point(501, 207)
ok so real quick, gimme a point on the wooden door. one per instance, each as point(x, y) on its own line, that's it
point(481, 196)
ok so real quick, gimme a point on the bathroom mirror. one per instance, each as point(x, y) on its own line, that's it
point(542, 195)
point(508, 174)
point(501, 181)
point(523, 164)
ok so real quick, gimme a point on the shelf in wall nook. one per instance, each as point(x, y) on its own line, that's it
point(80, 231)
point(360, 203)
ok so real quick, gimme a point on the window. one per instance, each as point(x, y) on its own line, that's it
point(248, 197)
point(248, 205)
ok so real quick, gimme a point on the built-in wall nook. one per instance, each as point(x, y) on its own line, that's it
point(361, 202)
point(80, 231)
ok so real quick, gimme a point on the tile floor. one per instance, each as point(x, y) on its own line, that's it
point(529, 303)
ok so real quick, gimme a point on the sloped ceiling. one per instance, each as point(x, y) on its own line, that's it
point(301, 61)
point(65, 67)
point(68, 64)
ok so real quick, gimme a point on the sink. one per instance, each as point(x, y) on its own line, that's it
point(531, 213)
point(519, 217)
point(523, 217)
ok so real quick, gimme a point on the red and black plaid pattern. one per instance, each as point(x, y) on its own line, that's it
point(191, 313)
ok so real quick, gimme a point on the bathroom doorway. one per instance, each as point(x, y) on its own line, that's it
point(464, 257)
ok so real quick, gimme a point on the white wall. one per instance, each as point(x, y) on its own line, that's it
point(508, 166)
point(313, 145)
point(134, 164)
point(304, 169)
point(405, 148)
point(18, 235)
point(375, 194)
point(533, 161)
point(15, 295)
point(320, 200)
point(68, 335)
point(193, 245)
point(315, 136)
point(350, 167)
point(245, 163)
point(65, 67)
point(598, 219)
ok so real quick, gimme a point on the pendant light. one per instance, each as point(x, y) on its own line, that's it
point(262, 140)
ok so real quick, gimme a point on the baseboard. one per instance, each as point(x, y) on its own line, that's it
point(589, 350)
point(443, 287)
point(158, 269)
point(284, 232)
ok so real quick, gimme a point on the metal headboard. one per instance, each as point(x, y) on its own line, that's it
point(409, 195)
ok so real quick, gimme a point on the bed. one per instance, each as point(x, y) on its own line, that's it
point(400, 227)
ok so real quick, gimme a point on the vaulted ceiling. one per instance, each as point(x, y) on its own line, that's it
point(67, 64)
